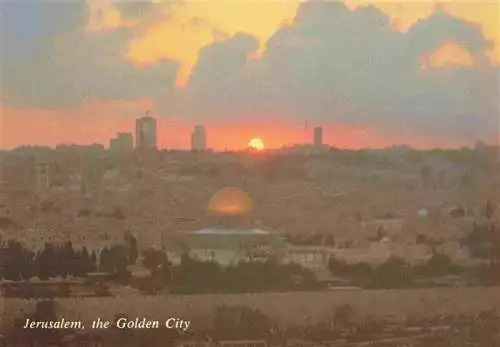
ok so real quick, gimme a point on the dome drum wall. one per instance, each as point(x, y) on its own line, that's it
point(230, 239)
point(225, 240)
point(230, 221)
point(227, 246)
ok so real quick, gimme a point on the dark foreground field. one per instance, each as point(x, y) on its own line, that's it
point(284, 308)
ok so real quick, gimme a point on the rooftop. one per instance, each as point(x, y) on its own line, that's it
point(232, 231)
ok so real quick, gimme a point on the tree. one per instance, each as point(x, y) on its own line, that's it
point(380, 233)
point(483, 241)
point(84, 264)
point(193, 276)
point(391, 274)
point(117, 213)
point(494, 245)
point(7, 222)
point(489, 210)
point(84, 212)
point(68, 260)
point(330, 240)
point(458, 212)
point(118, 258)
point(154, 259)
point(18, 261)
point(335, 266)
point(359, 273)
point(437, 265)
point(133, 250)
point(47, 264)
point(93, 261)
point(105, 263)
point(421, 239)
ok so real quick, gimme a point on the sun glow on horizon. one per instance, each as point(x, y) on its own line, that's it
point(256, 144)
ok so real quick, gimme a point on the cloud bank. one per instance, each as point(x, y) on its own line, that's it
point(331, 65)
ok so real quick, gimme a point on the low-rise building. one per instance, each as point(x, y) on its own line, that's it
point(308, 256)
point(392, 225)
point(226, 246)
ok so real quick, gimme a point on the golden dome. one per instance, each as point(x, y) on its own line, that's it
point(230, 201)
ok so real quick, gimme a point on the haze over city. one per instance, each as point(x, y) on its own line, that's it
point(371, 74)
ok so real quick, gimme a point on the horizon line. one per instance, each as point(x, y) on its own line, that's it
point(311, 146)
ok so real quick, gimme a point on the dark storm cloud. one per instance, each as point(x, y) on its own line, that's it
point(202, 97)
point(229, 66)
point(80, 67)
point(27, 28)
point(337, 65)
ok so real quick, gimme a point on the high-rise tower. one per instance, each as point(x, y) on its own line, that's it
point(318, 136)
point(146, 132)
point(199, 138)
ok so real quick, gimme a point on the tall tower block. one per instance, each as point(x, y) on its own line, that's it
point(318, 136)
point(199, 138)
point(146, 132)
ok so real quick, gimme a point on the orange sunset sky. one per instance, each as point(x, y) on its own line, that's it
point(414, 72)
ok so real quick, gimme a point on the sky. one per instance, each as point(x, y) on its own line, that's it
point(373, 74)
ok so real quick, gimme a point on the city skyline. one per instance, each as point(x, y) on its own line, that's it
point(207, 163)
point(376, 76)
point(126, 141)
point(146, 132)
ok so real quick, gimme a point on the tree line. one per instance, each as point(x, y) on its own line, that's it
point(18, 263)
point(190, 276)
point(396, 273)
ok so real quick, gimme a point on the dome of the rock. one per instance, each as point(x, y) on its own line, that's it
point(230, 201)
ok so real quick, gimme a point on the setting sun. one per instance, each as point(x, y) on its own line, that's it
point(256, 143)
